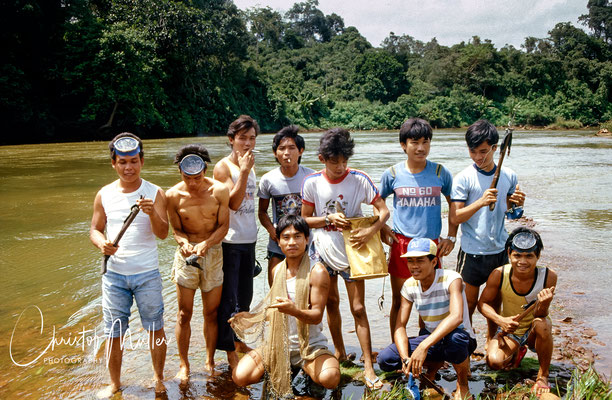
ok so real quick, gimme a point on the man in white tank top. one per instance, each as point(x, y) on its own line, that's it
point(237, 173)
point(133, 266)
point(303, 306)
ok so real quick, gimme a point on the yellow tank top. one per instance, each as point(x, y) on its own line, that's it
point(512, 301)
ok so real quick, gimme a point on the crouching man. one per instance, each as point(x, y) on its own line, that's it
point(519, 285)
point(439, 298)
point(294, 310)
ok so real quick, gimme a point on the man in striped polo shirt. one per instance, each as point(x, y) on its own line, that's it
point(439, 298)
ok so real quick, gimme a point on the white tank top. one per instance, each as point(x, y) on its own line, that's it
point(137, 251)
point(316, 337)
point(242, 226)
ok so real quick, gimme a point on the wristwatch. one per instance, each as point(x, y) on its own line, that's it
point(327, 221)
point(405, 361)
point(452, 239)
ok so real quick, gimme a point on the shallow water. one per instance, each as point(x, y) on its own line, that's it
point(51, 271)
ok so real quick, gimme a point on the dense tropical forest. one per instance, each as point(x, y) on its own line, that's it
point(85, 69)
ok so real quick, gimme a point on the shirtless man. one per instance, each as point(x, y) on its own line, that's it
point(199, 214)
point(237, 173)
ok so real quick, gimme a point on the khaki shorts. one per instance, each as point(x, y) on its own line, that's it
point(207, 278)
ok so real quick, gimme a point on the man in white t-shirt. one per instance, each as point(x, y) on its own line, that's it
point(321, 193)
point(282, 187)
point(132, 265)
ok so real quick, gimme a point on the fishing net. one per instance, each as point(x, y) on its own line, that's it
point(269, 328)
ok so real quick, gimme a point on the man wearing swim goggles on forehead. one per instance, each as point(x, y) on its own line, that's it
point(132, 269)
point(198, 210)
point(237, 172)
point(520, 284)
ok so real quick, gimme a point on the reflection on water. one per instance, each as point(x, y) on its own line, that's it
point(47, 260)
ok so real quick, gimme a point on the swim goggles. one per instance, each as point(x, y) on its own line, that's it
point(126, 146)
point(192, 164)
point(524, 242)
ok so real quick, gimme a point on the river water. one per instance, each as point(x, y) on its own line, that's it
point(51, 279)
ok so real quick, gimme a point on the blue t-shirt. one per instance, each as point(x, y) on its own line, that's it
point(417, 202)
point(484, 233)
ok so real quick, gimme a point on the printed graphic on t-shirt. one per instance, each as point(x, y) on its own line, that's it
point(330, 208)
point(288, 204)
point(417, 196)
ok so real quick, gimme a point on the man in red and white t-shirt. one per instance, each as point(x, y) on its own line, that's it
point(350, 188)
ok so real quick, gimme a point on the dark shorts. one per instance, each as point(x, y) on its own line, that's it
point(275, 254)
point(475, 269)
point(453, 348)
point(398, 266)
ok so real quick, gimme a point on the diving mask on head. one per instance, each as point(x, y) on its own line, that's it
point(192, 164)
point(126, 146)
point(524, 242)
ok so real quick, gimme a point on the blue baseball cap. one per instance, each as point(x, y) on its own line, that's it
point(419, 247)
point(192, 164)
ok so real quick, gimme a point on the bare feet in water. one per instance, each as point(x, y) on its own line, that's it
point(183, 374)
point(160, 388)
point(108, 391)
point(463, 393)
point(209, 369)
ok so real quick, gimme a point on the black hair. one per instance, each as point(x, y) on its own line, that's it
point(296, 221)
point(290, 131)
point(111, 144)
point(242, 123)
point(479, 132)
point(538, 247)
point(414, 129)
point(196, 149)
point(336, 142)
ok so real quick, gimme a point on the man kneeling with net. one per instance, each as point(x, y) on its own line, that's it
point(288, 320)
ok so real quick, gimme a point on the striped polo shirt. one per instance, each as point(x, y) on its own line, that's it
point(433, 304)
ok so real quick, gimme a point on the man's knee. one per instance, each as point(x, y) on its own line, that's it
point(184, 316)
point(210, 315)
point(333, 301)
point(388, 359)
point(496, 359)
point(329, 377)
point(542, 328)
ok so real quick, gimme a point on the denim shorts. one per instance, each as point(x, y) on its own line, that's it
point(521, 340)
point(118, 293)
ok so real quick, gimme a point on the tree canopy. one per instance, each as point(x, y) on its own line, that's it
point(87, 69)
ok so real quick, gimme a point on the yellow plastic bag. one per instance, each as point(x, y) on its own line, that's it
point(368, 262)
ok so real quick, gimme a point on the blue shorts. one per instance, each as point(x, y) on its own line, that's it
point(454, 348)
point(118, 293)
point(521, 340)
point(332, 272)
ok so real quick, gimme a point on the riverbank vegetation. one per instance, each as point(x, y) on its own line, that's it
point(84, 69)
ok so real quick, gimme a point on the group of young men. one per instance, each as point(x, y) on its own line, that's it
point(213, 222)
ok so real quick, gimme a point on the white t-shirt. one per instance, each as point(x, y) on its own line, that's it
point(484, 233)
point(351, 190)
point(285, 196)
point(137, 251)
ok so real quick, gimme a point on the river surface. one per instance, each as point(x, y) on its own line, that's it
point(51, 279)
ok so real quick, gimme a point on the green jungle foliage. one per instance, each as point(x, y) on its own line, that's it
point(86, 69)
